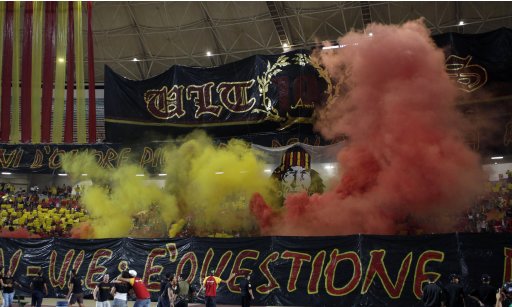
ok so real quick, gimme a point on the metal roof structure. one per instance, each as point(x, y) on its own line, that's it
point(141, 39)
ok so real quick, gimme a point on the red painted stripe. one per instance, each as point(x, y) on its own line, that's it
point(92, 88)
point(48, 70)
point(26, 75)
point(7, 72)
point(70, 71)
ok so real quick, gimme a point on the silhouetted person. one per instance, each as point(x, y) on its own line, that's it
point(433, 295)
point(101, 293)
point(485, 294)
point(163, 286)
point(246, 290)
point(454, 292)
point(76, 292)
point(7, 283)
point(120, 291)
point(39, 289)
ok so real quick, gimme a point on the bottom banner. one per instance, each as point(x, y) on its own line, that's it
point(359, 270)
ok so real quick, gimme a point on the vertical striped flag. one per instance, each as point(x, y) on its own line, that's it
point(42, 86)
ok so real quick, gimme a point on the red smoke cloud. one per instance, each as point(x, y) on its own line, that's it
point(82, 231)
point(406, 164)
point(20, 233)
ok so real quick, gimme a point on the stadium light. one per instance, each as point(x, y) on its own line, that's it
point(497, 158)
point(331, 47)
point(335, 46)
point(6, 173)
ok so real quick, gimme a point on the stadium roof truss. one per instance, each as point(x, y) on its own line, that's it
point(161, 34)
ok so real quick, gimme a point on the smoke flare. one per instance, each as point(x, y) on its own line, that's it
point(207, 185)
point(406, 167)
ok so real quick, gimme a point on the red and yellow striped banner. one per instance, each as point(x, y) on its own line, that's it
point(37, 70)
point(42, 73)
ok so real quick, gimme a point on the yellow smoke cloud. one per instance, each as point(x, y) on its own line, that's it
point(214, 184)
point(84, 162)
point(112, 208)
point(209, 185)
point(176, 228)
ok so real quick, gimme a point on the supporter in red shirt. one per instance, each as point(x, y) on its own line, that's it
point(210, 283)
point(141, 292)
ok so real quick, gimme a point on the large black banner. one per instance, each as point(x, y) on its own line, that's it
point(257, 94)
point(480, 63)
point(358, 270)
point(275, 92)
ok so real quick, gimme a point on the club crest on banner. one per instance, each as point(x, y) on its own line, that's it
point(295, 173)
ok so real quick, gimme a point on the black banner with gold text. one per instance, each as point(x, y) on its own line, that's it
point(254, 95)
point(358, 270)
point(271, 93)
point(46, 158)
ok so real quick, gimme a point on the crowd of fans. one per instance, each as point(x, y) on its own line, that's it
point(492, 212)
point(55, 210)
point(50, 212)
